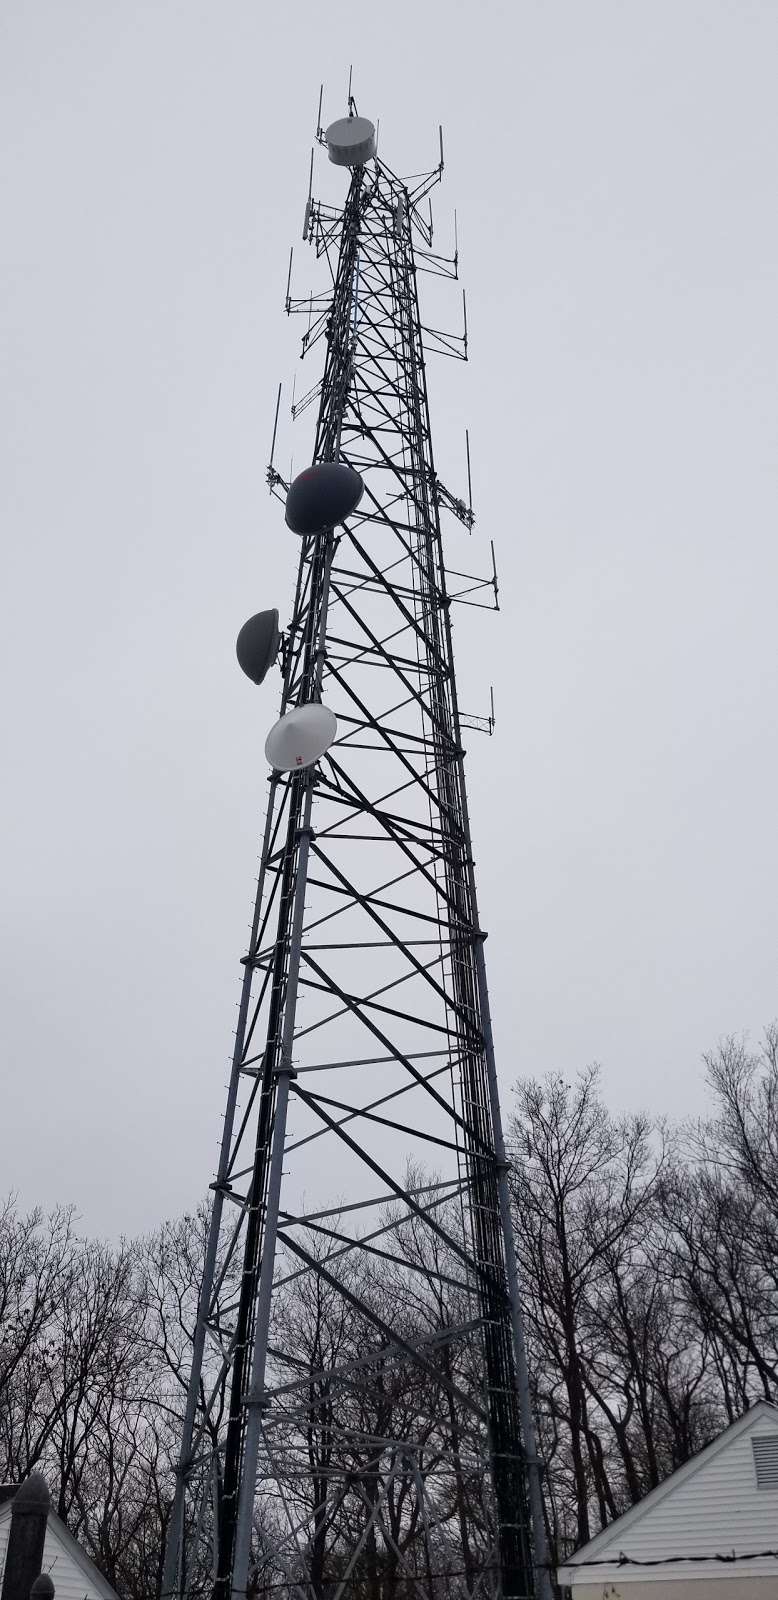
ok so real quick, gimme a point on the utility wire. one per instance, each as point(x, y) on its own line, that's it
point(622, 1560)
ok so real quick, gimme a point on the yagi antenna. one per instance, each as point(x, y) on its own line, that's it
point(289, 280)
point(307, 218)
point(275, 429)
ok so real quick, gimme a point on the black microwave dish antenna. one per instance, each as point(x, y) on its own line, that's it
point(357, 1419)
point(258, 644)
point(322, 496)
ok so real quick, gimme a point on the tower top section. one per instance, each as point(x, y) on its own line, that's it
point(350, 141)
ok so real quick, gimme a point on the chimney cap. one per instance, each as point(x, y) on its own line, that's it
point(32, 1498)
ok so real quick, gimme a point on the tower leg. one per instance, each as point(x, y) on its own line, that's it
point(172, 1576)
point(543, 1588)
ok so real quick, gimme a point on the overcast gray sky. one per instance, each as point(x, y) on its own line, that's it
point(614, 172)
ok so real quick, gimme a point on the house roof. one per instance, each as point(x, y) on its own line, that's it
point(58, 1534)
point(709, 1507)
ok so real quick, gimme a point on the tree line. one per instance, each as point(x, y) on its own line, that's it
point(648, 1259)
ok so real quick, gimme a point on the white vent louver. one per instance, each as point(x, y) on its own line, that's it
point(765, 1448)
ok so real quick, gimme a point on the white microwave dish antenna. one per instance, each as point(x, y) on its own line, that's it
point(301, 737)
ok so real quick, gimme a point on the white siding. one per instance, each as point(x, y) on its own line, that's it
point(718, 1508)
point(710, 1507)
point(70, 1582)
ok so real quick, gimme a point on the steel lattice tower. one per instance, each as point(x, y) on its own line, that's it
point(353, 1422)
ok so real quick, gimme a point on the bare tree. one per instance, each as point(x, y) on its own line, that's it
point(584, 1188)
point(724, 1212)
point(649, 1269)
point(38, 1256)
